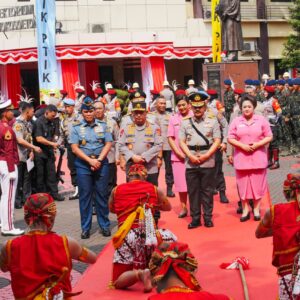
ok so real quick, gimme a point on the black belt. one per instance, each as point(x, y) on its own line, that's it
point(199, 148)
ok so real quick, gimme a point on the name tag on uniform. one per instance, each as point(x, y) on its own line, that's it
point(99, 129)
point(241, 125)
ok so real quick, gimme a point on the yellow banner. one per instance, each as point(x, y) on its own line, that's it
point(216, 32)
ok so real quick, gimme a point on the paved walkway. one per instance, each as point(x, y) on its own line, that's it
point(68, 220)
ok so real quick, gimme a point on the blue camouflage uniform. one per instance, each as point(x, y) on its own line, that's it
point(91, 139)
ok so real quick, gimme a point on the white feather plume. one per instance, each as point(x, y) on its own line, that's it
point(25, 98)
point(95, 84)
point(232, 83)
point(175, 85)
point(204, 85)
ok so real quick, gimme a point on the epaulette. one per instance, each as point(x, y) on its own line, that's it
point(76, 122)
point(187, 117)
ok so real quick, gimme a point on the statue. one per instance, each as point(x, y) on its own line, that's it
point(229, 12)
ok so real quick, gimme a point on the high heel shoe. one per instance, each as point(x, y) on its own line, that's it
point(245, 218)
point(256, 218)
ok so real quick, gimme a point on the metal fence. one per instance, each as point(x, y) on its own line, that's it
point(250, 12)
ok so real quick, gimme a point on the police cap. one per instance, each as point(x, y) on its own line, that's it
point(139, 106)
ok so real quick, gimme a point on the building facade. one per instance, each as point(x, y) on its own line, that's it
point(111, 40)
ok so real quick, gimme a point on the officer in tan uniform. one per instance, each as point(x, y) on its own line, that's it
point(141, 142)
point(70, 119)
point(200, 137)
point(113, 154)
point(23, 130)
point(162, 118)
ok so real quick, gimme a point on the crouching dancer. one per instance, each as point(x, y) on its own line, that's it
point(40, 262)
point(134, 203)
point(173, 269)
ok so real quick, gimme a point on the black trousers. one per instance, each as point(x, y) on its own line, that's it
point(71, 160)
point(168, 168)
point(24, 184)
point(112, 177)
point(46, 181)
point(200, 190)
point(220, 183)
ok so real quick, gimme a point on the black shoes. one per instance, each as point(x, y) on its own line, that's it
point(183, 213)
point(85, 235)
point(74, 197)
point(257, 218)
point(193, 225)
point(170, 192)
point(245, 218)
point(18, 205)
point(223, 198)
point(105, 232)
point(58, 197)
point(208, 224)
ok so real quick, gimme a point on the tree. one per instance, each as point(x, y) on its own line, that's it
point(291, 52)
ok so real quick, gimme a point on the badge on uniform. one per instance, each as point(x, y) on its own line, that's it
point(7, 136)
point(83, 143)
point(18, 127)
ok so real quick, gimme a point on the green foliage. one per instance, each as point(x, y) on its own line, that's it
point(291, 52)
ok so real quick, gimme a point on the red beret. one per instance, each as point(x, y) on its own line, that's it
point(154, 92)
point(212, 92)
point(131, 91)
point(111, 92)
point(98, 91)
point(63, 92)
point(270, 89)
point(180, 92)
point(239, 91)
point(79, 90)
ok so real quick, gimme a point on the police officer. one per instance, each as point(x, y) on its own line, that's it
point(191, 89)
point(216, 109)
point(113, 154)
point(141, 142)
point(200, 137)
point(23, 130)
point(229, 100)
point(169, 96)
point(273, 114)
point(8, 169)
point(162, 120)
point(91, 142)
point(70, 119)
point(44, 136)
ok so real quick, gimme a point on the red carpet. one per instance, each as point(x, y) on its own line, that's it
point(212, 246)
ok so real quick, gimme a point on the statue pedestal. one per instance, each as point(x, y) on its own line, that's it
point(215, 73)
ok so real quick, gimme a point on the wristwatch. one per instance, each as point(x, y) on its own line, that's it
point(99, 159)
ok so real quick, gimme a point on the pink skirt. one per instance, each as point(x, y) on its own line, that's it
point(179, 176)
point(252, 184)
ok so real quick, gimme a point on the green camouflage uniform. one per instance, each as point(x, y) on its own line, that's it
point(260, 97)
point(229, 102)
point(295, 116)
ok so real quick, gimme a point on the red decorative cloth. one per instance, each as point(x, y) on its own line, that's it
point(128, 196)
point(178, 257)
point(286, 228)
point(8, 146)
point(40, 208)
point(38, 258)
point(235, 264)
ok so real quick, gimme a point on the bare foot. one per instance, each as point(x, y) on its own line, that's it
point(146, 279)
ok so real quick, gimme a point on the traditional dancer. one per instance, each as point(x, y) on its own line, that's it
point(134, 204)
point(173, 268)
point(282, 222)
point(40, 262)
